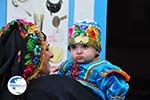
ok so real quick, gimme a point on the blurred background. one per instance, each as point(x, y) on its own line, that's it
point(127, 44)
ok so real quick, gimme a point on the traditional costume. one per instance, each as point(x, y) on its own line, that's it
point(106, 80)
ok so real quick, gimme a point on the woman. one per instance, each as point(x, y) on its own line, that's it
point(24, 52)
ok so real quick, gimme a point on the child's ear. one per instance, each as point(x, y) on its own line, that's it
point(97, 54)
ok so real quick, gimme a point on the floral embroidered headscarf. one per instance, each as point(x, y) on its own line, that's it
point(22, 49)
point(85, 32)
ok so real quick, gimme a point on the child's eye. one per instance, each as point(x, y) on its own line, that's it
point(85, 46)
point(73, 46)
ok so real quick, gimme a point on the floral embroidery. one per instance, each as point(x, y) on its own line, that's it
point(93, 32)
point(85, 33)
point(35, 47)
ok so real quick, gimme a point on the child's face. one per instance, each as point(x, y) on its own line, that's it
point(82, 53)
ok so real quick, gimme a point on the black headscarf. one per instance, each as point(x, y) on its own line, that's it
point(10, 43)
point(22, 49)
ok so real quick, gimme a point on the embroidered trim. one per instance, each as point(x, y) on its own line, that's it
point(87, 83)
point(118, 97)
point(64, 66)
point(92, 67)
point(123, 73)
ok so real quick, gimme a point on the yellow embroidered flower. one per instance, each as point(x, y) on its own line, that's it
point(32, 28)
point(77, 39)
point(83, 39)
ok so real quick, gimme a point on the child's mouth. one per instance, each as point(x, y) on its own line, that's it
point(79, 58)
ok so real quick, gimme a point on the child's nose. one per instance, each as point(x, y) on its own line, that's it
point(79, 50)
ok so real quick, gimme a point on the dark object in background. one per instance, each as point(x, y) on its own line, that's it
point(53, 7)
point(128, 41)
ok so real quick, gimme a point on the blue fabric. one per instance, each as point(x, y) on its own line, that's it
point(101, 76)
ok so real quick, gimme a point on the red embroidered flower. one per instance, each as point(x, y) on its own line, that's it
point(28, 70)
point(70, 31)
point(91, 31)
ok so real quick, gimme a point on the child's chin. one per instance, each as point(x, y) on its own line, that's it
point(80, 61)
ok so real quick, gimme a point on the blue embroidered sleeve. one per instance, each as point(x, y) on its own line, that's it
point(60, 72)
point(115, 87)
point(61, 69)
point(65, 66)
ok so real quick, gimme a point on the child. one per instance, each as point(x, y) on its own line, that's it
point(105, 79)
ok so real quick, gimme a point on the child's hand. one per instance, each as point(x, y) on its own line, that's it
point(53, 70)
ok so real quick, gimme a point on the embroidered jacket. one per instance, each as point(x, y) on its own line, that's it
point(104, 78)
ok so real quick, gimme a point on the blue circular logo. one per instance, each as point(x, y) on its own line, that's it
point(17, 85)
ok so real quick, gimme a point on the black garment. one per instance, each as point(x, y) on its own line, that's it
point(4, 93)
point(52, 87)
point(57, 87)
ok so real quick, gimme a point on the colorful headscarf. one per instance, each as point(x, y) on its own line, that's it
point(22, 49)
point(85, 32)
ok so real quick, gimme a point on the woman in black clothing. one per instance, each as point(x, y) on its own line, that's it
point(24, 52)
